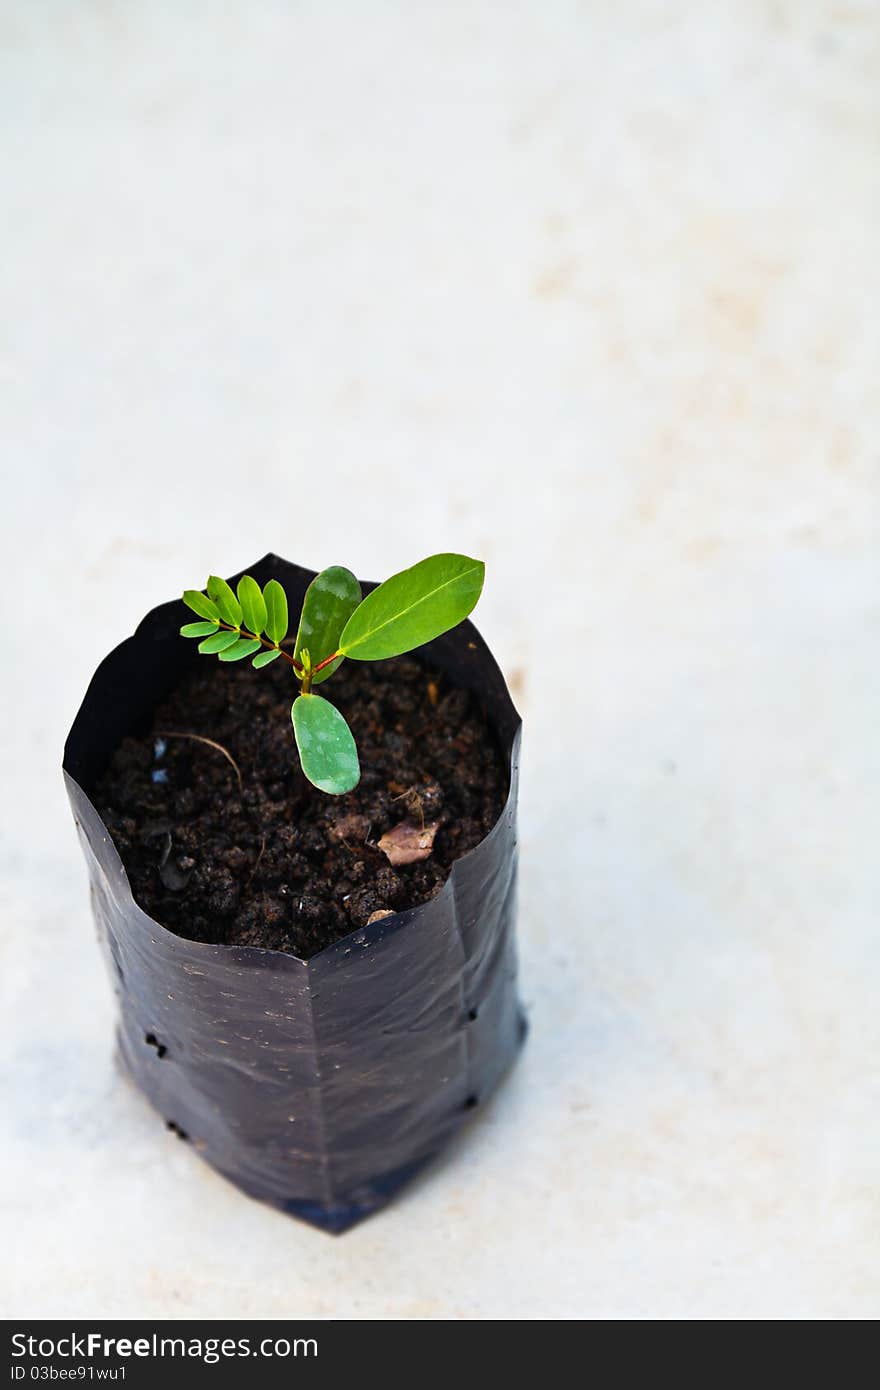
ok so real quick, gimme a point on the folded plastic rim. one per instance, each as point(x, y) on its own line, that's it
point(320, 1086)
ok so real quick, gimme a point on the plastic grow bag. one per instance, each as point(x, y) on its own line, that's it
point(320, 1085)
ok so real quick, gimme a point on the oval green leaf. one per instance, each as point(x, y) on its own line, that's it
point(326, 747)
point(198, 629)
point(330, 600)
point(202, 605)
point(265, 657)
point(253, 605)
point(413, 607)
point(276, 611)
point(220, 592)
point(211, 645)
point(245, 646)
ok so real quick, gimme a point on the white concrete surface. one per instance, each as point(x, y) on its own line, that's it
point(588, 290)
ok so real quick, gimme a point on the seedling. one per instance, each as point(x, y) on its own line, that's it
point(408, 610)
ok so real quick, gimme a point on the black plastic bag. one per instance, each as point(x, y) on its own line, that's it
point(319, 1086)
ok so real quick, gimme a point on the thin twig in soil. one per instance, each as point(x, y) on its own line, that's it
point(199, 738)
point(257, 862)
point(413, 801)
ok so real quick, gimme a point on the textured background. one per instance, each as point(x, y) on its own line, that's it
point(590, 291)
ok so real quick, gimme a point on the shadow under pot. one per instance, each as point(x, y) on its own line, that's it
point(318, 1085)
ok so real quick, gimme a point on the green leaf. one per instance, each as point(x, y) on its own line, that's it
point(198, 629)
point(253, 605)
point(220, 592)
point(276, 611)
point(265, 657)
point(246, 646)
point(218, 643)
point(413, 607)
point(326, 747)
point(201, 605)
point(330, 600)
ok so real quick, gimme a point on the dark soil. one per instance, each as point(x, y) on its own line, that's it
point(277, 863)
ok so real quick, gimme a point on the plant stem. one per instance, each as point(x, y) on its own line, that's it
point(326, 662)
point(264, 641)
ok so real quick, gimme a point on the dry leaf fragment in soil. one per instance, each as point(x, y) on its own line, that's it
point(408, 843)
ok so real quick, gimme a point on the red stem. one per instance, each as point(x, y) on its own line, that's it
point(326, 662)
point(262, 640)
